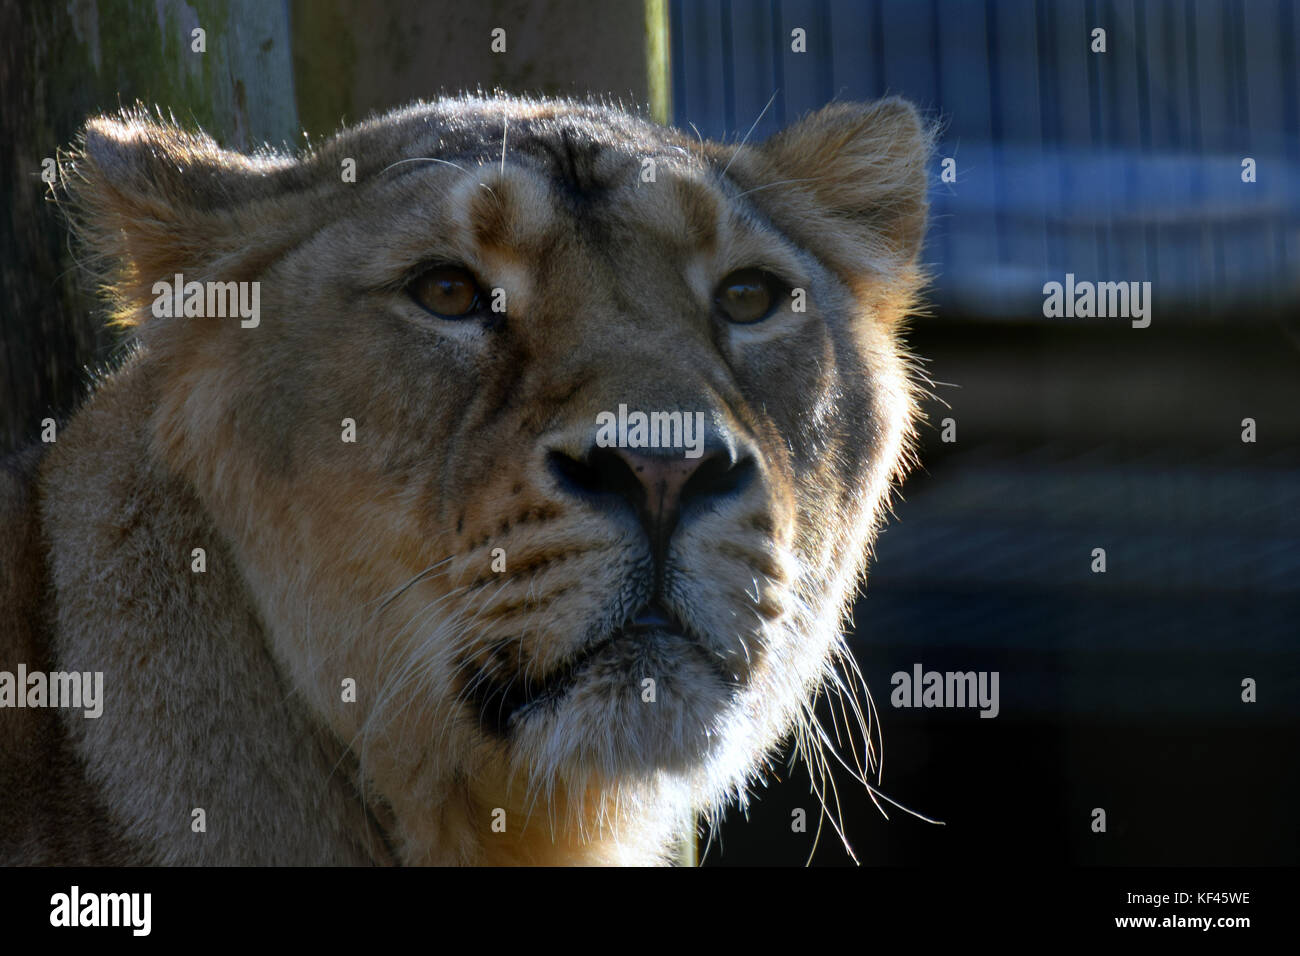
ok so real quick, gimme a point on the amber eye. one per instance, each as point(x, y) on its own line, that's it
point(747, 295)
point(449, 292)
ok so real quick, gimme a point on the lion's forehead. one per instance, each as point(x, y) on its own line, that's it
point(522, 179)
point(609, 199)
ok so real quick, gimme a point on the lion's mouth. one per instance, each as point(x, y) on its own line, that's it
point(503, 702)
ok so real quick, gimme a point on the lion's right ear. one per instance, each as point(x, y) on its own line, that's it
point(149, 199)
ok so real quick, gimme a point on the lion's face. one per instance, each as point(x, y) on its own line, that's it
point(522, 603)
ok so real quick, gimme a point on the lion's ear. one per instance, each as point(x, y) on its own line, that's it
point(851, 175)
point(149, 199)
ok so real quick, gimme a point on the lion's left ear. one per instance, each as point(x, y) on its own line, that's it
point(850, 178)
point(150, 199)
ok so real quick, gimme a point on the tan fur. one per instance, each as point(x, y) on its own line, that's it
point(372, 561)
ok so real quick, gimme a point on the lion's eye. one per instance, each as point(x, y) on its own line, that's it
point(747, 295)
point(449, 292)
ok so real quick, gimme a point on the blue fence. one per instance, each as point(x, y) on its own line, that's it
point(1116, 165)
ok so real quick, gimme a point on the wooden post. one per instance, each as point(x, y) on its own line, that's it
point(61, 63)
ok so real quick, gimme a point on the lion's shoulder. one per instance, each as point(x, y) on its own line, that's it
point(49, 814)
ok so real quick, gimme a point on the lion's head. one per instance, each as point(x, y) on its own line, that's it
point(425, 454)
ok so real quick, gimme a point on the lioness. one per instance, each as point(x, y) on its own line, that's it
point(486, 485)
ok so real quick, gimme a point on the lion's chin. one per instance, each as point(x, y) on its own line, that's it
point(639, 705)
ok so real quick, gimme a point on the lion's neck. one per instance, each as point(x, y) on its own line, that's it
point(237, 771)
point(487, 821)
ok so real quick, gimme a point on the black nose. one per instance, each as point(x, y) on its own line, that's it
point(659, 485)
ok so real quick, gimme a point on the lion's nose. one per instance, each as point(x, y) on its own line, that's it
point(659, 485)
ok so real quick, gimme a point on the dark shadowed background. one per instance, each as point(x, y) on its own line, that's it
point(1119, 690)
